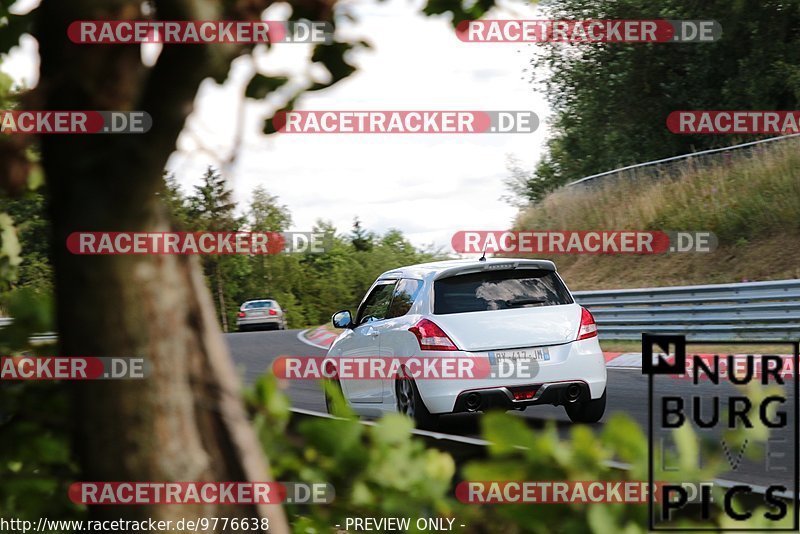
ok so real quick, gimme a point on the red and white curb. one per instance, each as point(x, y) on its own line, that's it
point(623, 360)
point(633, 361)
point(318, 337)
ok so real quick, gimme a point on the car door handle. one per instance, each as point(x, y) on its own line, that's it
point(372, 332)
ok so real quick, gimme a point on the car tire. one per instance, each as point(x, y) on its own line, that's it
point(328, 399)
point(587, 412)
point(409, 403)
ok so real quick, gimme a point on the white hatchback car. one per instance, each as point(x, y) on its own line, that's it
point(501, 310)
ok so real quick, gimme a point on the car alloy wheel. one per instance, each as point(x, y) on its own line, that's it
point(410, 403)
point(405, 396)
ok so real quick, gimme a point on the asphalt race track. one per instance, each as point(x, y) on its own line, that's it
point(253, 353)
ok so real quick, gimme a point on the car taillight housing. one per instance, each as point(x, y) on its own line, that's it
point(588, 326)
point(273, 312)
point(242, 314)
point(431, 337)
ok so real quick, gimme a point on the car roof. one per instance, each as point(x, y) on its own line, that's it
point(442, 269)
point(257, 300)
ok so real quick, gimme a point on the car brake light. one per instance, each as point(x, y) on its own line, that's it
point(242, 314)
point(431, 337)
point(588, 326)
point(273, 312)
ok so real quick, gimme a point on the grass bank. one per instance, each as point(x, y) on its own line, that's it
point(751, 203)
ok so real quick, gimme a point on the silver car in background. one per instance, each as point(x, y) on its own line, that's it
point(261, 313)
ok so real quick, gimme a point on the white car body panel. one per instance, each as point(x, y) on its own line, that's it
point(516, 328)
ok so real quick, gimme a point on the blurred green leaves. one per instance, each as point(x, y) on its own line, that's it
point(383, 470)
point(460, 10)
point(10, 248)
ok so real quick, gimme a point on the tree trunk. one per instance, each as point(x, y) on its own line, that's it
point(223, 313)
point(185, 421)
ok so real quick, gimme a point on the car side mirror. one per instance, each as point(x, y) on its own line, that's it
point(342, 319)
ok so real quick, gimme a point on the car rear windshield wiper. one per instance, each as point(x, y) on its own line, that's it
point(524, 301)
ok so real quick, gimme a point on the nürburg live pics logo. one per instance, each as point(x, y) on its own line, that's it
point(723, 435)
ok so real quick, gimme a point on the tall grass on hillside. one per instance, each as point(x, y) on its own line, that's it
point(742, 198)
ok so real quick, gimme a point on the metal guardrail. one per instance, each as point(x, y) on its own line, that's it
point(461, 448)
point(751, 310)
point(38, 339)
point(745, 311)
point(674, 165)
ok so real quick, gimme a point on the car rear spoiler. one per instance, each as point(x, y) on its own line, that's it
point(482, 266)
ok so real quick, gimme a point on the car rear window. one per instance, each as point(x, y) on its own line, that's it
point(499, 290)
point(258, 304)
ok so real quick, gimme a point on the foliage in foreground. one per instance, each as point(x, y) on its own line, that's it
point(385, 471)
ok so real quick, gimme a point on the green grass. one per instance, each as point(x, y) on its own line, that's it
point(742, 199)
point(751, 203)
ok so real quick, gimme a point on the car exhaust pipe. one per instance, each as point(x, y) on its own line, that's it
point(473, 401)
point(573, 392)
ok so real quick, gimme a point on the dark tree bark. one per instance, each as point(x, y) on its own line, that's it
point(185, 421)
point(223, 314)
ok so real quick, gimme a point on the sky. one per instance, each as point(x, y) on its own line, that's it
point(427, 185)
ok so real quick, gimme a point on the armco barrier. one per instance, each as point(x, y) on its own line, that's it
point(461, 448)
point(726, 312)
point(38, 339)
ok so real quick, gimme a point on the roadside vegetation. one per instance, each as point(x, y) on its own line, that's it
point(610, 102)
point(749, 202)
point(609, 107)
point(309, 286)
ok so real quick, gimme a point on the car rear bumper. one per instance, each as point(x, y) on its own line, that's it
point(555, 393)
point(258, 321)
point(583, 366)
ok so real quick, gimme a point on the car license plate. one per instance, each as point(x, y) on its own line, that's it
point(258, 313)
point(516, 355)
